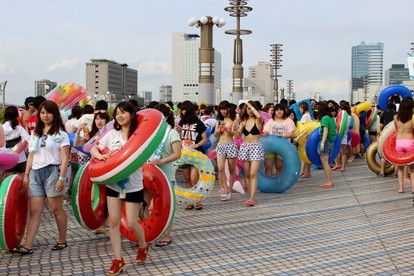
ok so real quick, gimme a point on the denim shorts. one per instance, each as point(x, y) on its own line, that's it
point(43, 182)
point(327, 149)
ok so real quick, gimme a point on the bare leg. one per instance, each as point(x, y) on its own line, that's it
point(254, 168)
point(221, 173)
point(132, 211)
point(114, 209)
point(401, 179)
point(56, 207)
point(232, 171)
point(36, 205)
point(327, 169)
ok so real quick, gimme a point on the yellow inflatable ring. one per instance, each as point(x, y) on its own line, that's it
point(205, 183)
point(309, 127)
point(372, 162)
point(365, 106)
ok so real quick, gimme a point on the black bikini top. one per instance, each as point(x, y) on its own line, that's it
point(253, 131)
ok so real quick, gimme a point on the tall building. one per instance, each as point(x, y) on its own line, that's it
point(367, 70)
point(147, 97)
point(396, 74)
point(185, 67)
point(111, 81)
point(260, 82)
point(42, 87)
point(165, 93)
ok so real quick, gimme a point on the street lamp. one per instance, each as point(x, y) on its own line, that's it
point(275, 64)
point(3, 92)
point(238, 9)
point(206, 56)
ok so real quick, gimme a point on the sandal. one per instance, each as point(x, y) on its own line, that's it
point(60, 246)
point(198, 206)
point(189, 207)
point(22, 250)
point(162, 243)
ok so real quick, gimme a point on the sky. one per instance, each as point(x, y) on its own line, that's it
point(54, 39)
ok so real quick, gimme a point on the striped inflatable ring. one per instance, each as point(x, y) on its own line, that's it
point(90, 214)
point(392, 156)
point(207, 177)
point(290, 174)
point(312, 148)
point(372, 164)
point(386, 131)
point(101, 133)
point(13, 211)
point(72, 140)
point(341, 122)
point(136, 151)
point(163, 210)
point(372, 117)
point(387, 92)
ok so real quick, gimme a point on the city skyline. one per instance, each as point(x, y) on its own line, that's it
point(54, 40)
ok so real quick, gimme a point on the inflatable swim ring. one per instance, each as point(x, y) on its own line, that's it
point(163, 206)
point(80, 148)
point(8, 159)
point(309, 127)
point(290, 174)
point(372, 117)
point(371, 160)
point(13, 211)
point(89, 213)
point(386, 131)
point(392, 156)
point(342, 122)
point(136, 151)
point(296, 109)
point(207, 176)
point(387, 92)
point(101, 133)
point(312, 148)
point(365, 106)
point(355, 138)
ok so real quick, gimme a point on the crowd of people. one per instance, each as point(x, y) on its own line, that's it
point(233, 131)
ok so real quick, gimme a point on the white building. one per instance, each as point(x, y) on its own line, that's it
point(260, 82)
point(185, 67)
point(165, 93)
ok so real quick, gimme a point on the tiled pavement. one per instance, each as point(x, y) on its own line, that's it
point(360, 227)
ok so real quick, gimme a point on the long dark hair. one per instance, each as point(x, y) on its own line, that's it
point(101, 115)
point(11, 114)
point(76, 112)
point(166, 111)
point(57, 124)
point(405, 111)
point(323, 110)
point(131, 109)
point(230, 111)
point(190, 116)
point(243, 113)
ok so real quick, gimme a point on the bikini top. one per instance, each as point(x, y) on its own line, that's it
point(253, 131)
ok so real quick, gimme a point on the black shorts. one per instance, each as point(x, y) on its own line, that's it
point(136, 197)
point(374, 133)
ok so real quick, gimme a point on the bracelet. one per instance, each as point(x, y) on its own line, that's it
point(62, 178)
point(322, 144)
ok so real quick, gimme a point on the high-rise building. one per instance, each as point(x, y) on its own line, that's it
point(185, 67)
point(367, 70)
point(165, 93)
point(111, 81)
point(260, 82)
point(396, 74)
point(147, 97)
point(42, 87)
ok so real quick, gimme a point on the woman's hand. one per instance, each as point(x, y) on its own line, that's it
point(178, 128)
point(156, 161)
point(60, 185)
point(26, 180)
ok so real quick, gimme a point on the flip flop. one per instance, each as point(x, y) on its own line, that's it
point(342, 170)
point(163, 243)
point(335, 168)
point(60, 246)
point(249, 203)
point(22, 250)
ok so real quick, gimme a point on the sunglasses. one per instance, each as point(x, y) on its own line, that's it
point(100, 111)
point(43, 141)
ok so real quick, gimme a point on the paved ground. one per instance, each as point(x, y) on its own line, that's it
point(360, 227)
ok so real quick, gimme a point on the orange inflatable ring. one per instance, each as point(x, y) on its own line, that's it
point(163, 206)
point(13, 211)
point(392, 156)
point(89, 213)
point(136, 151)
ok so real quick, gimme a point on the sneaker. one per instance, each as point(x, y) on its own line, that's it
point(228, 197)
point(142, 254)
point(117, 267)
point(351, 158)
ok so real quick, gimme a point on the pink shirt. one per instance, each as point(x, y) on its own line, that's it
point(279, 128)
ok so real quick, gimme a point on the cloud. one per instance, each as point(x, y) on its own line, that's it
point(64, 64)
point(328, 87)
point(154, 68)
point(2, 67)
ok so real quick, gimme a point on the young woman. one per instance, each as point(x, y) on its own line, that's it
point(193, 133)
point(251, 150)
point(132, 194)
point(306, 118)
point(45, 174)
point(280, 125)
point(226, 148)
point(14, 134)
point(328, 134)
point(169, 153)
point(405, 139)
point(340, 161)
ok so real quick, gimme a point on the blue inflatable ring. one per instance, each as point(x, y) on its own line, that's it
point(296, 109)
point(71, 139)
point(312, 148)
point(387, 92)
point(291, 170)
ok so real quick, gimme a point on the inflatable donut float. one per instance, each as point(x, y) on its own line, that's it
point(101, 133)
point(394, 157)
point(291, 169)
point(371, 160)
point(89, 210)
point(71, 141)
point(13, 211)
point(296, 109)
point(136, 151)
point(342, 122)
point(365, 106)
point(355, 138)
point(386, 131)
point(8, 159)
point(309, 127)
point(312, 148)
point(372, 117)
point(205, 183)
point(387, 92)
point(163, 206)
